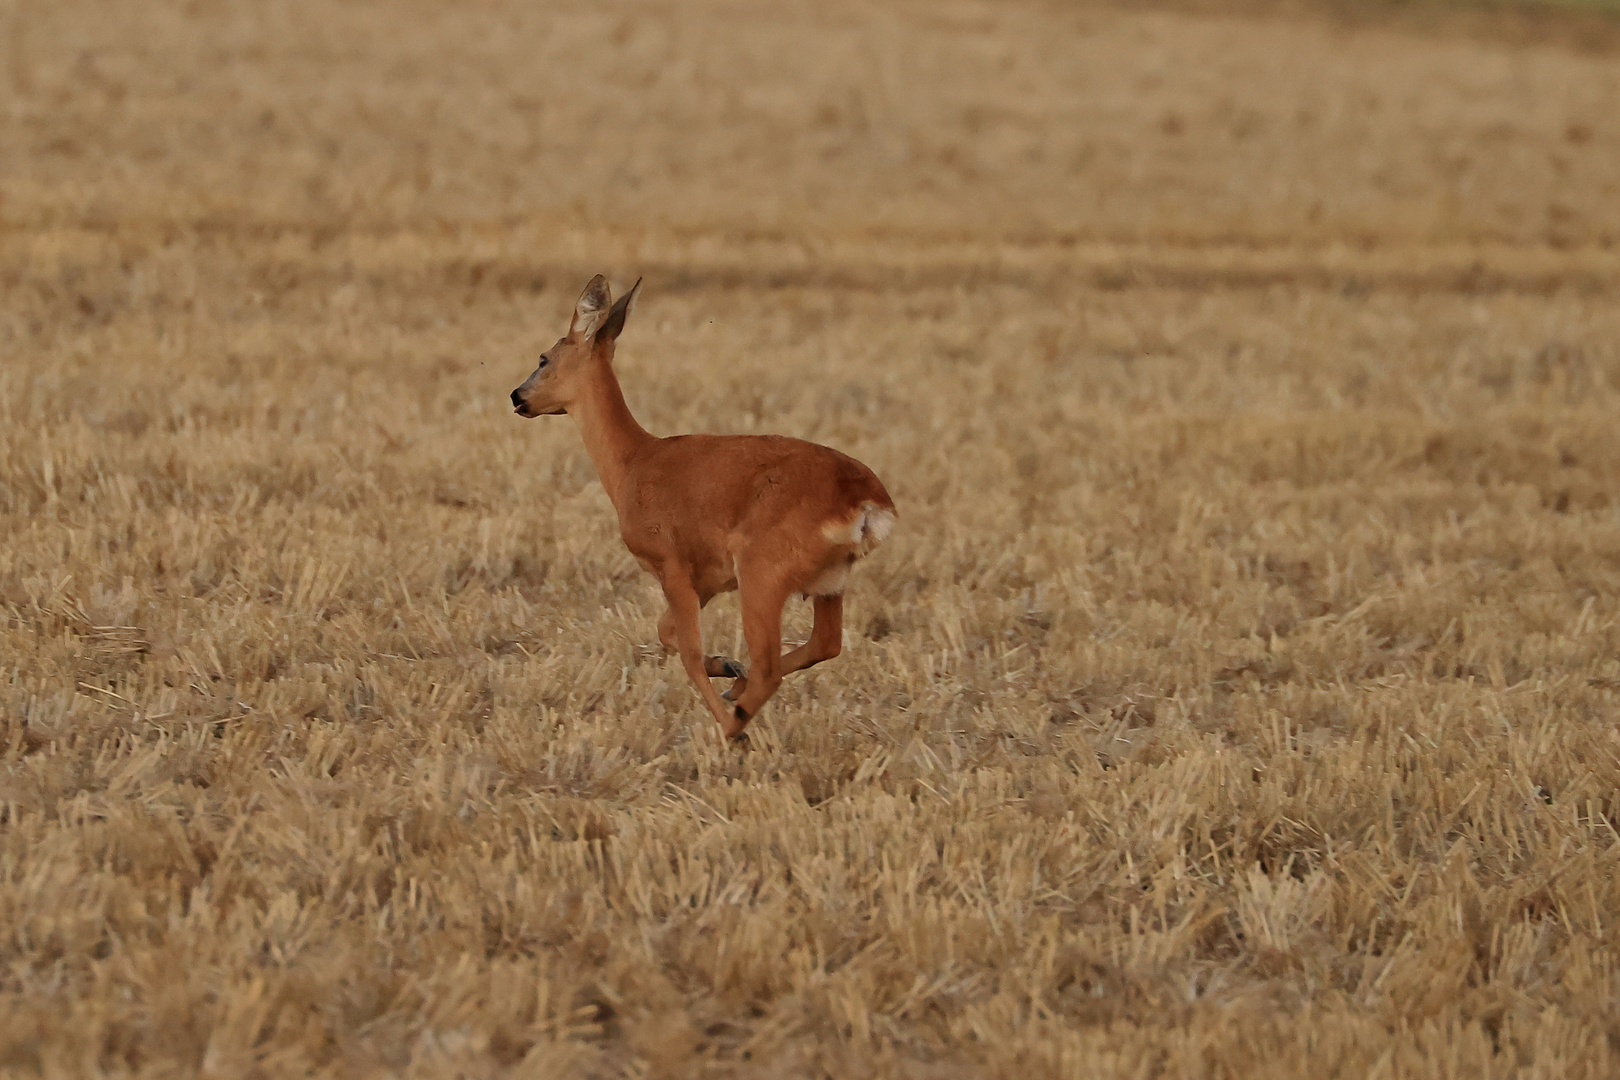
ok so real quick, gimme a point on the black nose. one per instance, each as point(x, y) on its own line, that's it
point(517, 402)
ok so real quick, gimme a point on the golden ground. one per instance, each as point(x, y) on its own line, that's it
point(1237, 696)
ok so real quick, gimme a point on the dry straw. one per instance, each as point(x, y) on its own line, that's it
point(1237, 698)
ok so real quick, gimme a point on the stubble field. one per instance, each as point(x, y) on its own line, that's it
point(1236, 697)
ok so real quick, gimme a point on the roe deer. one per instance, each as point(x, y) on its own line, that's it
point(706, 514)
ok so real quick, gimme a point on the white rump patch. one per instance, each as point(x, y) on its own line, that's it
point(866, 530)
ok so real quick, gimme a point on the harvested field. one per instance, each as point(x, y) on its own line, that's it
point(1237, 696)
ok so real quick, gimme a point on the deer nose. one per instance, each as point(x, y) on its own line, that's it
point(517, 400)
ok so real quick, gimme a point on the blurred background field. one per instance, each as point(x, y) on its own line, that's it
point(1236, 697)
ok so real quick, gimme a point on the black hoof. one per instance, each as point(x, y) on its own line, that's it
point(740, 740)
point(730, 669)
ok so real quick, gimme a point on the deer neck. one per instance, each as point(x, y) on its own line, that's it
point(610, 433)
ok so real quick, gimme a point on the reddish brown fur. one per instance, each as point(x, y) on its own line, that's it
point(706, 514)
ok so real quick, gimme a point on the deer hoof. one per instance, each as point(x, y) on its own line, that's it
point(739, 741)
point(730, 669)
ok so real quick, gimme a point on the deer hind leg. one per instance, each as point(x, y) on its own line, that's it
point(826, 641)
point(826, 637)
point(715, 667)
point(762, 600)
point(686, 635)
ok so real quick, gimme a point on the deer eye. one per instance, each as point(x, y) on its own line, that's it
point(544, 360)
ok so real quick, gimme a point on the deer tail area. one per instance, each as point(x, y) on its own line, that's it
point(866, 530)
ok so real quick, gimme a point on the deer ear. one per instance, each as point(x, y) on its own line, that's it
point(593, 305)
point(609, 331)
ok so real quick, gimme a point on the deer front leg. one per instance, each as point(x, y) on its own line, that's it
point(716, 667)
point(686, 635)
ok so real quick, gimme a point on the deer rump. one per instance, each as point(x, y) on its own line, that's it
point(723, 501)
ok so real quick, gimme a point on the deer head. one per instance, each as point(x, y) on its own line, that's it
point(566, 367)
